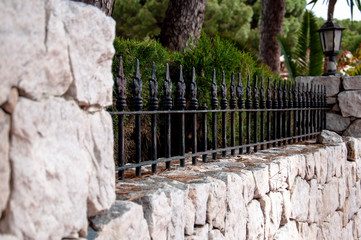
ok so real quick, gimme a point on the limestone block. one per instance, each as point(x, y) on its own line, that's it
point(199, 194)
point(99, 138)
point(190, 216)
point(124, 219)
point(310, 165)
point(265, 202)
point(347, 232)
point(236, 222)
point(331, 100)
point(313, 210)
point(354, 130)
point(353, 148)
point(288, 231)
point(300, 200)
point(340, 158)
point(261, 179)
point(331, 163)
point(34, 56)
point(286, 212)
point(276, 210)
point(177, 197)
point(307, 231)
point(351, 82)
point(336, 108)
point(93, 81)
point(200, 233)
point(4, 160)
point(353, 203)
point(357, 224)
point(336, 122)
point(157, 211)
point(329, 137)
point(332, 83)
point(215, 235)
point(342, 192)
point(330, 198)
point(248, 187)
point(321, 157)
point(349, 102)
point(48, 155)
point(350, 176)
point(216, 205)
point(278, 175)
point(255, 225)
point(332, 229)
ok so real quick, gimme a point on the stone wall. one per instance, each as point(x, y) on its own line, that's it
point(302, 191)
point(56, 148)
point(344, 99)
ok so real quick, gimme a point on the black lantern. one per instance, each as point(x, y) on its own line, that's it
point(331, 34)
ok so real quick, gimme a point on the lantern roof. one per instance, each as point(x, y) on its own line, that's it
point(330, 25)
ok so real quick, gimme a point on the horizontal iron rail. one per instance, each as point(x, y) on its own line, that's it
point(211, 111)
point(218, 150)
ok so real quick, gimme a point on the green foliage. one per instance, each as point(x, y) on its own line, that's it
point(139, 19)
point(306, 60)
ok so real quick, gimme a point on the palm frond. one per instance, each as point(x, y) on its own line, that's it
point(286, 51)
point(316, 55)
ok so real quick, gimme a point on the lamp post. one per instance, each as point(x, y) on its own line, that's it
point(331, 34)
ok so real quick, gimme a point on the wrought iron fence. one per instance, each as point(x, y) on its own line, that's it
point(286, 114)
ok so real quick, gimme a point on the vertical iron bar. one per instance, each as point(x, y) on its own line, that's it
point(204, 118)
point(214, 103)
point(290, 105)
point(121, 104)
point(285, 114)
point(300, 112)
point(248, 120)
point(224, 106)
point(308, 102)
point(295, 112)
point(319, 104)
point(269, 106)
point(255, 114)
point(240, 93)
point(275, 114)
point(311, 127)
point(325, 106)
point(153, 106)
point(262, 106)
point(193, 106)
point(232, 105)
point(280, 113)
point(180, 103)
point(304, 114)
point(137, 104)
point(167, 104)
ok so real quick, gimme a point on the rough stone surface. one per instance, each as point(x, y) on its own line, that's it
point(331, 100)
point(8, 237)
point(288, 231)
point(307, 231)
point(337, 123)
point(354, 130)
point(261, 179)
point(351, 82)
point(328, 137)
point(300, 200)
point(199, 193)
point(255, 225)
point(43, 166)
point(216, 205)
point(332, 83)
point(4, 160)
point(332, 229)
point(215, 235)
point(330, 198)
point(52, 36)
point(121, 220)
point(349, 102)
point(353, 148)
point(9, 105)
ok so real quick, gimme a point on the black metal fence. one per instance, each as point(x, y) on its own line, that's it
point(266, 118)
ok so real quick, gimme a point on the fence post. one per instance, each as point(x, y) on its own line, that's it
point(240, 93)
point(193, 106)
point(167, 103)
point(255, 114)
point(180, 103)
point(224, 106)
point(269, 106)
point(262, 106)
point(214, 103)
point(137, 104)
point(280, 113)
point(248, 120)
point(153, 106)
point(275, 113)
point(232, 105)
point(121, 104)
point(285, 113)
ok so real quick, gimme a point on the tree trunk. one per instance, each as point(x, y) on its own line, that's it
point(105, 5)
point(270, 27)
point(183, 20)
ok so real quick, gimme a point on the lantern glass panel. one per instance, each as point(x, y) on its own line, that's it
point(322, 37)
point(329, 40)
point(338, 34)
